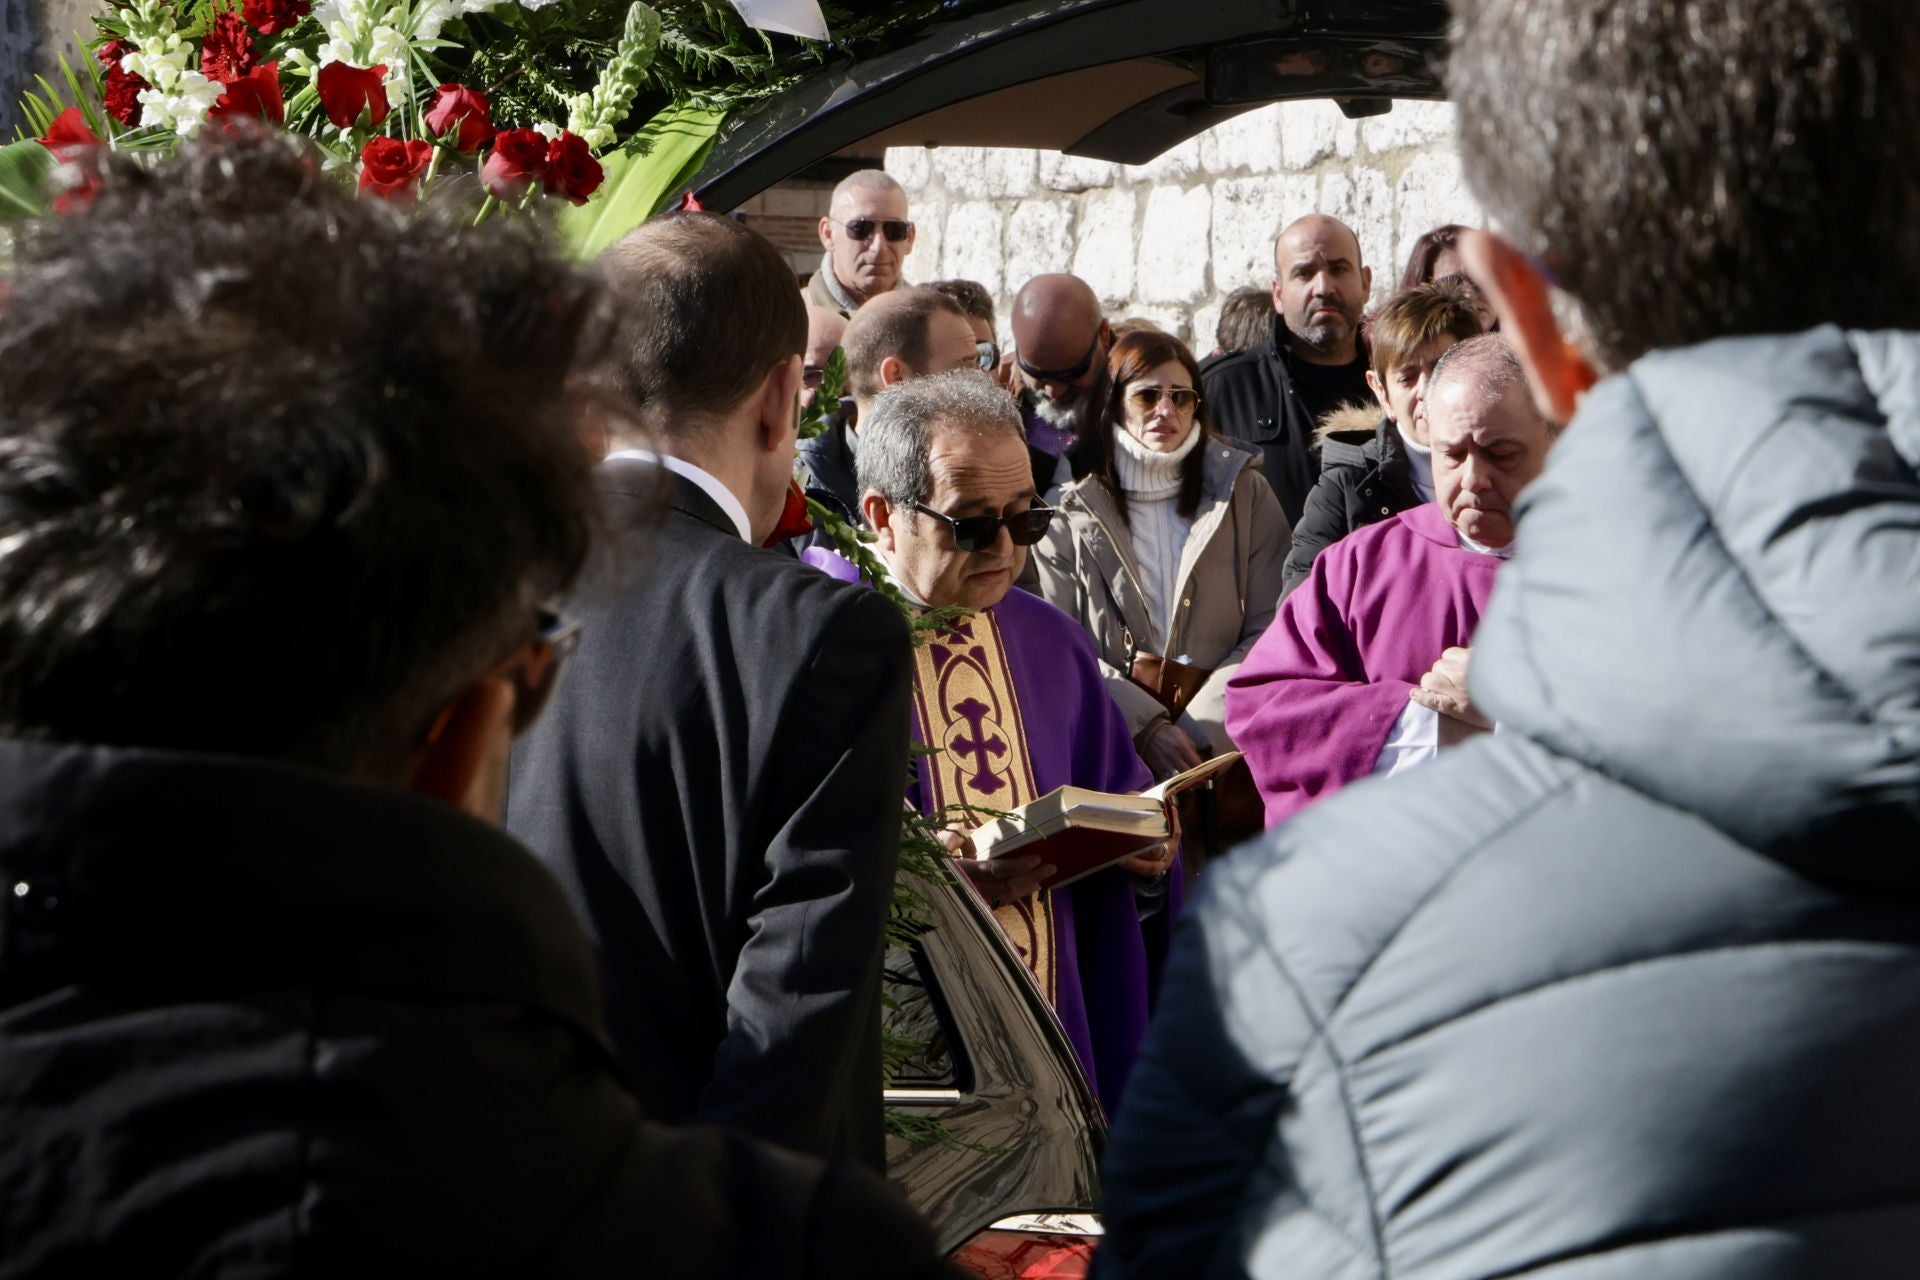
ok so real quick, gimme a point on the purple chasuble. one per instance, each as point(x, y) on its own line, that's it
point(1315, 701)
point(1074, 735)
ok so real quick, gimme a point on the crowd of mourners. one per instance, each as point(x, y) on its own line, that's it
point(450, 806)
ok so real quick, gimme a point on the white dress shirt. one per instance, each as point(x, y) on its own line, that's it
point(723, 496)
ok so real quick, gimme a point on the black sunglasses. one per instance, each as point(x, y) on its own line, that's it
point(895, 229)
point(977, 533)
point(1062, 375)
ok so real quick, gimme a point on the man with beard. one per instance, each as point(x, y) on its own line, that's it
point(865, 234)
point(1060, 340)
point(1313, 362)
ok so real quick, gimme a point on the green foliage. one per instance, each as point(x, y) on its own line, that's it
point(77, 88)
point(833, 383)
point(24, 169)
point(641, 177)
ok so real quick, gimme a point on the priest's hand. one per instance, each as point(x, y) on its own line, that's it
point(1168, 750)
point(1444, 689)
point(1001, 880)
point(1153, 863)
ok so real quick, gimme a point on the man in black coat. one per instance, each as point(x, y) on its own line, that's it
point(719, 783)
point(1312, 363)
point(276, 997)
point(1632, 987)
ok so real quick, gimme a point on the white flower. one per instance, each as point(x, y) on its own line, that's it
point(430, 17)
point(535, 4)
point(181, 106)
point(547, 129)
point(480, 6)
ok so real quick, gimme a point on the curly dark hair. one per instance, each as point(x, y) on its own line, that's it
point(280, 470)
point(1426, 252)
point(1699, 169)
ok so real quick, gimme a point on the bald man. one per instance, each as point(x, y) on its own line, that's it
point(1060, 340)
point(1312, 364)
point(866, 236)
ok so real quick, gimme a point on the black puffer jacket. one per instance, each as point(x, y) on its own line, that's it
point(1634, 989)
point(1365, 476)
point(257, 1022)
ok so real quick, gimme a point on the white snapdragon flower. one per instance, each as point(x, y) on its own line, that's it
point(535, 5)
point(547, 129)
point(430, 17)
point(182, 106)
point(480, 6)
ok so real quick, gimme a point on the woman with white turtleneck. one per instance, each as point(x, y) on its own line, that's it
point(1171, 548)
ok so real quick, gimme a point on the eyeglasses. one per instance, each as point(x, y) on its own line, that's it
point(989, 355)
point(811, 376)
point(560, 635)
point(977, 533)
point(862, 229)
point(1062, 375)
point(1148, 398)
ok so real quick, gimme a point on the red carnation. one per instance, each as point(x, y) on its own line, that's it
point(347, 93)
point(110, 53)
point(121, 94)
point(461, 111)
point(253, 96)
point(73, 143)
point(227, 52)
point(796, 519)
point(392, 168)
point(271, 16)
point(571, 169)
point(519, 156)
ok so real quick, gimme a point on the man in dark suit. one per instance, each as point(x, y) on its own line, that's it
point(719, 785)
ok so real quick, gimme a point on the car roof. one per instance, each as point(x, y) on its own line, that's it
point(1119, 80)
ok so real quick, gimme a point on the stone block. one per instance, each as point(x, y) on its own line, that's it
point(1409, 124)
point(1205, 320)
point(973, 245)
point(1103, 254)
point(987, 173)
point(1362, 199)
point(911, 167)
point(1247, 216)
point(1250, 142)
point(1039, 239)
point(1176, 164)
point(1060, 172)
point(1175, 246)
point(1313, 131)
point(1432, 193)
point(929, 239)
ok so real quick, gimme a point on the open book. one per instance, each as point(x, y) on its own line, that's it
point(1080, 831)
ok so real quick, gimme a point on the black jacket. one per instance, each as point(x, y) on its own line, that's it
point(1632, 988)
point(829, 475)
point(1362, 481)
point(718, 785)
point(1257, 396)
point(262, 1022)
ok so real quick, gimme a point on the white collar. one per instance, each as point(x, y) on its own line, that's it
point(1498, 553)
point(735, 509)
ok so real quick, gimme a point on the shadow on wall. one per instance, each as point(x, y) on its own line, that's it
point(33, 34)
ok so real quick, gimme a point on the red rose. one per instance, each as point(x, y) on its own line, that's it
point(271, 16)
point(519, 156)
point(347, 93)
point(254, 96)
point(795, 518)
point(392, 168)
point(461, 111)
point(68, 137)
point(73, 143)
point(571, 169)
point(227, 52)
point(121, 95)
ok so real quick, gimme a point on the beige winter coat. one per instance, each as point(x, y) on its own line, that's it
point(1226, 592)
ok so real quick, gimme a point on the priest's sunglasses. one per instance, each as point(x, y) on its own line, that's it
point(978, 533)
point(1148, 398)
point(1073, 374)
point(862, 229)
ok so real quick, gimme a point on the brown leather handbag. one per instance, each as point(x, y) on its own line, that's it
point(1236, 811)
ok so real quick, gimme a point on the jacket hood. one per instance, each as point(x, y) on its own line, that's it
point(1357, 422)
point(1716, 596)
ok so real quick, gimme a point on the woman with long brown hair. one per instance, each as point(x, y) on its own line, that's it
point(1169, 552)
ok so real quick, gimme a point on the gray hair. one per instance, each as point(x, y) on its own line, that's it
point(895, 439)
point(1488, 365)
point(866, 180)
point(1699, 168)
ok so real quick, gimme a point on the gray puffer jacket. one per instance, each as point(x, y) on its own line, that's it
point(1632, 991)
point(1226, 592)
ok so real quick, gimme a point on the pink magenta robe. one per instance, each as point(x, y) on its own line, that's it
point(1317, 698)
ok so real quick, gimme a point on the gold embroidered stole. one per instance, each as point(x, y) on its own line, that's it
point(970, 714)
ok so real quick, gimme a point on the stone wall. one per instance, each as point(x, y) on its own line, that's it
point(33, 34)
point(1168, 240)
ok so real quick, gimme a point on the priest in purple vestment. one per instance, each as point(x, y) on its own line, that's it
point(1364, 669)
point(1013, 701)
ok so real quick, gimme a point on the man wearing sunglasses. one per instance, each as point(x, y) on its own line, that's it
point(1013, 696)
point(1061, 339)
point(866, 235)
